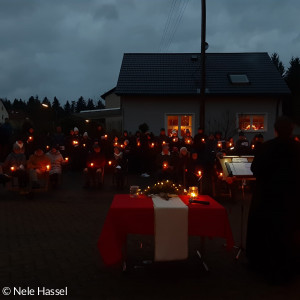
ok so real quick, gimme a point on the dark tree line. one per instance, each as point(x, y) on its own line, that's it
point(45, 114)
point(34, 104)
point(291, 74)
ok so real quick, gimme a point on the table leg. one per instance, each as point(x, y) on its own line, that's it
point(202, 252)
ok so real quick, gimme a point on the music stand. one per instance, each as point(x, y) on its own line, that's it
point(238, 167)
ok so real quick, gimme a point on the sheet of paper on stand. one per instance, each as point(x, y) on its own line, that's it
point(239, 160)
point(171, 229)
point(240, 169)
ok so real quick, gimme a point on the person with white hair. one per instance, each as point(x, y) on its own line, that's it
point(175, 141)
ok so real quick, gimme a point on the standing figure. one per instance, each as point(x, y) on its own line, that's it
point(273, 239)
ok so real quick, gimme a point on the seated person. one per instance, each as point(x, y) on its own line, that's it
point(120, 166)
point(38, 164)
point(165, 163)
point(15, 163)
point(56, 161)
point(94, 167)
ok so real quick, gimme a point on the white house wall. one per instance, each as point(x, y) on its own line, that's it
point(219, 109)
point(152, 110)
point(112, 101)
point(3, 113)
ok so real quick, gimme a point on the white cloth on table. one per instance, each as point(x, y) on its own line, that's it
point(171, 229)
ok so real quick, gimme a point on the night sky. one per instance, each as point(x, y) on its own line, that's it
point(73, 48)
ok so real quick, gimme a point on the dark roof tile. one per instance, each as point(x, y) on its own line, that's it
point(180, 73)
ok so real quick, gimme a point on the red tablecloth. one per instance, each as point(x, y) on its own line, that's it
point(136, 216)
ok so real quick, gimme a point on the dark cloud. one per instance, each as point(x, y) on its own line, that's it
point(69, 48)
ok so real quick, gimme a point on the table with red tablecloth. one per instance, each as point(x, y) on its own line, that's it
point(136, 216)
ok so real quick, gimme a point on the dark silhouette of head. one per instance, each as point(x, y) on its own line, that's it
point(284, 127)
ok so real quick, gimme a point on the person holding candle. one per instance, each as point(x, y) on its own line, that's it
point(162, 139)
point(165, 163)
point(30, 141)
point(188, 140)
point(15, 165)
point(182, 166)
point(38, 164)
point(94, 170)
point(56, 162)
point(120, 167)
point(175, 140)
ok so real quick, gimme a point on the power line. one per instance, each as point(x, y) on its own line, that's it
point(174, 18)
point(177, 23)
point(167, 25)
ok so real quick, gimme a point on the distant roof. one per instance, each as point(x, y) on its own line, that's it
point(103, 96)
point(180, 74)
point(99, 113)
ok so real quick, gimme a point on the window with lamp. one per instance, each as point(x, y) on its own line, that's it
point(180, 123)
point(252, 122)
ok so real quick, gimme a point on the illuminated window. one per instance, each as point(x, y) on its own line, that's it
point(249, 122)
point(180, 123)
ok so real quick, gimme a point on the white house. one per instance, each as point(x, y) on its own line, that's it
point(3, 112)
point(244, 91)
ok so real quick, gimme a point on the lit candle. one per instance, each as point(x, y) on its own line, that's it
point(47, 147)
point(165, 165)
point(67, 159)
point(163, 142)
point(138, 144)
point(109, 163)
point(83, 145)
point(219, 144)
point(199, 173)
point(230, 144)
point(193, 192)
point(116, 144)
point(253, 146)
point(105, 136)
point(203, 140)
point(221, 174)
point(152, 145)
point(92, 164)
point(122, 146)
point(75, 142)
point(12, 168)
point(174, 140)
point(48, 167)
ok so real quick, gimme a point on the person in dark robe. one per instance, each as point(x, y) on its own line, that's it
point(273, 237)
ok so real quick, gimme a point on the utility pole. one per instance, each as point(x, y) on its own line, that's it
point(203, 65)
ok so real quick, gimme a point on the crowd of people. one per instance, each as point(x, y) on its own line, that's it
point(166, 156)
